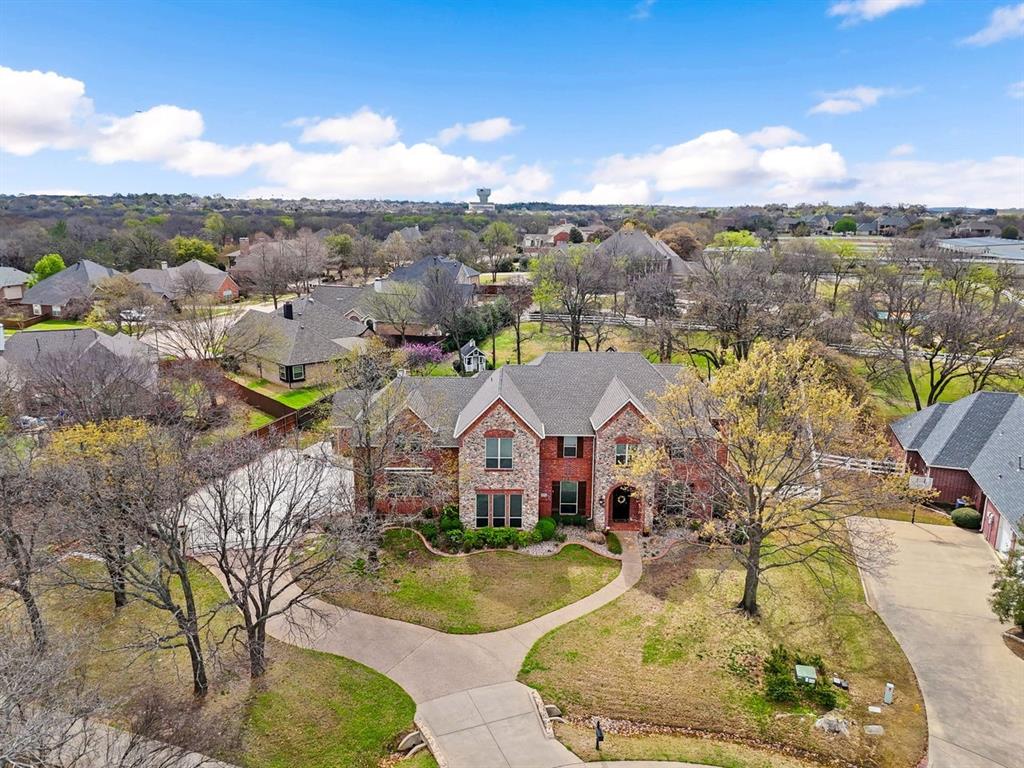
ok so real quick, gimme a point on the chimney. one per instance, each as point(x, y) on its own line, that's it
point(243, 245)
point(378, 284)
point(287, 309)
point(163, 265)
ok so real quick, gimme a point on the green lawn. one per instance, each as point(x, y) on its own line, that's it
point(673, 652)
point(552, 339)
point(921, 515)
point(479, 592)
point(49, 325)
point(311, 710)
point(896, 400)
point(300, 398)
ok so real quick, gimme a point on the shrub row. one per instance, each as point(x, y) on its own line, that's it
point(491, 538)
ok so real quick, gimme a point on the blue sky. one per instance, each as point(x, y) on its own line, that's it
point(880, 100)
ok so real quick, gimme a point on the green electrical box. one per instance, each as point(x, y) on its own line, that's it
point(806, 674)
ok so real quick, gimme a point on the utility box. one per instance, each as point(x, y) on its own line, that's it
point(806, 674)
point(890, 689)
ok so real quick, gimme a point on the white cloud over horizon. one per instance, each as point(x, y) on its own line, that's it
point(1005, 23)
point(361, 156)
point(491, 129)
point(854, 99)
point(856, 11)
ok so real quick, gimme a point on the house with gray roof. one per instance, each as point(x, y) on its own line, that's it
point(79, 281)
point(169, 283)
point(972, 449)
point(531, 441)
point(297, 345)
point(12, 284)
point(645, 253)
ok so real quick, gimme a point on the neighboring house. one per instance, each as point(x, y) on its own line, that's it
point(526, 441)
point(79, 281)
point(556, 235)
point(646, 253)
point(977, 229)
point(298, 344)
point(418, 271)
point(785, 224)
point(410, 234)
point(169, 282)
point(972, 448)
point(868, 228)
point(473, 360)
point(115, 364)
point(12, 284)
point(892, 225)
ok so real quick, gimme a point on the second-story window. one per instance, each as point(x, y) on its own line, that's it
point(570, 447)
point(499, 453)
point(622, 451)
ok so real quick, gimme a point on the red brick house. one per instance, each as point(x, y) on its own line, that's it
point(169, 283)
point(529, 441)
point(972, 448)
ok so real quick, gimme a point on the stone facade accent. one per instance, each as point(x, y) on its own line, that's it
point(627, 425)
point(474, 477)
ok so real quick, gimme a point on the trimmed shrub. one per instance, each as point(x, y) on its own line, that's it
point(578, 520)
point(966, 517)
point(450, 520)
point(546, 528)
point(612, 542)
point(429, 531)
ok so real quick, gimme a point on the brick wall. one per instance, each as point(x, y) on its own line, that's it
point(554, 468)
point(627, 425)
point(475, 477)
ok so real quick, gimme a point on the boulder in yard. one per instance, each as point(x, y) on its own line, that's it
point(831, 722)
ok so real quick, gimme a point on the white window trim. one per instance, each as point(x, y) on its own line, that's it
point(498, 457)
point(575, 504)
point(575, 447)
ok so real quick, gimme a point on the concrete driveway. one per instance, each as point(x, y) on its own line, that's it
point(935, 600)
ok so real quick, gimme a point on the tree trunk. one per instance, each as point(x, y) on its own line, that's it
point(115, 569)
point(200, 683)
point(256, 640)
point(753, 578)
point(35, 619)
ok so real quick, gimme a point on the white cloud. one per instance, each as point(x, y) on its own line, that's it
point(775, 136)
point(902, 150)
point(642, 10)
point(855, 11)
point(997, 182)
point(851, 100)
point(717, 163)
point(40, 110)
point(1006, 22)
point(1015, 90)
point(364, 127)
point(491, 129)
point(152, 135)
point(529, 182)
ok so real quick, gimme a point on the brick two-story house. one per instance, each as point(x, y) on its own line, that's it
point(527, 441)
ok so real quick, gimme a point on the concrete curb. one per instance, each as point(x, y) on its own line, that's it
point(542, 713)
point(430, 740)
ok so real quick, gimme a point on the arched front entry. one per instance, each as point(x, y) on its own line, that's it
point(623, 506)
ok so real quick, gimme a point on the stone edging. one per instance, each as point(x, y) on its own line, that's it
point(1009, 635)
point(561, 546)
point(430, 739)
point(542, 713)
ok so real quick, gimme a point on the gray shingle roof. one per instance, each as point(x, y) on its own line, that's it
point(324, 319)
point(616, 397)
point(77, 281)
point(12, 276)
point(343, 298)
point(167, 282)
point(417, 271)
point(499, 386)
point(25, 349)
point(983, 434)
point(636, 244)
point(289, 342)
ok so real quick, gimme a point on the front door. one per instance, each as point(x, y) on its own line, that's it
point(620, 505)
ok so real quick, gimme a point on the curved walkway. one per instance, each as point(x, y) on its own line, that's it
point(469, 705)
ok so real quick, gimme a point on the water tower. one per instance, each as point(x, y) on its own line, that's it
point(483, 204)
point(483, 193)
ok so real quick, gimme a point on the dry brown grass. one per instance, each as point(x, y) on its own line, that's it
point(674, 652)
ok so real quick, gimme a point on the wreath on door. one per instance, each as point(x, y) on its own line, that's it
point(620, 499)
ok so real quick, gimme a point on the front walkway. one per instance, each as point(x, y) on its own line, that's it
point(469, 704)
point(934, 599)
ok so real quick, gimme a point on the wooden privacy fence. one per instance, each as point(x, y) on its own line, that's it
point(858, 464)
point(265, 403)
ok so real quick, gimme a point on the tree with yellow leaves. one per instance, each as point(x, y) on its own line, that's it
point(779, 501)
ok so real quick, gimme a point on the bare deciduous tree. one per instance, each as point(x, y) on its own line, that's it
point(250, 519)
